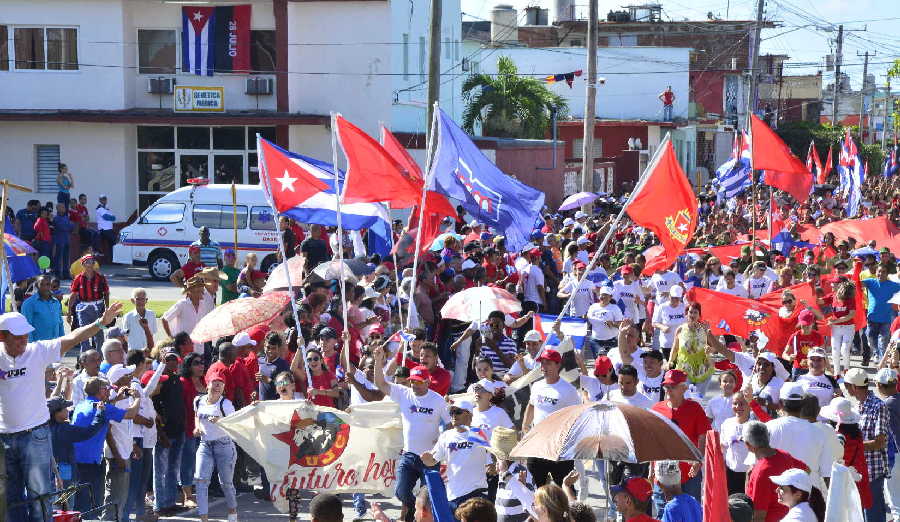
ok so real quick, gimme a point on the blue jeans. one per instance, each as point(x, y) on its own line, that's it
point(188, 459)
point(410, 470)
point(166, 464)
point(879, 334)
point(667, 113)
point(61, 260)
point(877, 513)
point(458, 501)
point(360, 504)
point(91, 474)
point(600, 347)
point(27, 458)
point(141, 469)
point(222, 454)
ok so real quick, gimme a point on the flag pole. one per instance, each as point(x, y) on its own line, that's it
point(345, 341)
point(428, 161)
point(612, 226)
point(264, 177)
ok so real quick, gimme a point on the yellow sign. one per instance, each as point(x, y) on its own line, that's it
point(199, 99)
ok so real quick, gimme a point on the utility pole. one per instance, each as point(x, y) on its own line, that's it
point(887, 109)
point(434, 63)
point(590, 102)
point(754, 63)
point(862, 95)
point(838, 58)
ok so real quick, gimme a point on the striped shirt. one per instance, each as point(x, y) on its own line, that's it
point(209, 253)
point(874, 421)
point(505, 345)
point(509, 505)
point(92, 289)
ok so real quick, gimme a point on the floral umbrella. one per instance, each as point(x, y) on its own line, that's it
point(475, 304)
point(238, 315)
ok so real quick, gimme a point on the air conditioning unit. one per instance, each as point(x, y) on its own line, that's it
point(259, 86)
point(160, 85)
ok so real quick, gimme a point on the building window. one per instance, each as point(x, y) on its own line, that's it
point(578, 148)
point(46, 167)
point(262, 51)
point(405, 56)
point(4, 48)
point(51, 48)
point(157, 52)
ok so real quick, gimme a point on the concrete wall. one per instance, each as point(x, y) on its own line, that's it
point(101, 158)
point(635, 76)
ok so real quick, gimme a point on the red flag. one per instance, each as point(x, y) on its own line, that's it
point(665, 203)
point(437, 207)
point(399, 153)
point(715, 482)
point(776, 222)
point(813, 160)
point(783, 170)
point(286, 181)
point(823, 174)
point(729, 314)
point(372, 173)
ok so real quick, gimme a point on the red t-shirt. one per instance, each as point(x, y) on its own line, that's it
point(842, 308)
point(803, 343)
point(668, 97)
point(251, 363)
point(440, 378)
point(323, 382)
point(761, 489)
point(41, 230)
point(895, 324)
point(692, 420)
point(243, 378)
point(188, 394)
point(643, 517)
point(190, 269)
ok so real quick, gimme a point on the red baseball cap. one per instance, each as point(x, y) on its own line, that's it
point(550, 355)
point(627, 270)
point(602, 365)
point(193, 248)
point(637, 487)
point(579, 264)
point(806, 318)
point(420, 373)
point(535, 252)
point(674, 377)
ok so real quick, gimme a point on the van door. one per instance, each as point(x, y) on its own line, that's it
point(160, 236)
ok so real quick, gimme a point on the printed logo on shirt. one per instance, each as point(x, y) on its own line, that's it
point(672, 317)
point(541, 399)
point(10, 374)
point(820, 384)
point(649, 391)
point(421, 409)
point(459, 446)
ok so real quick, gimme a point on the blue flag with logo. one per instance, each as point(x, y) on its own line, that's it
point(462, 172)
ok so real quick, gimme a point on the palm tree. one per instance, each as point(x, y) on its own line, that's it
point(508, 105)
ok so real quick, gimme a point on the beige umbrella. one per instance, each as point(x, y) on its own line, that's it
point(606, 430)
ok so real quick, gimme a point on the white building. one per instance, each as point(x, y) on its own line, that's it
point(93, 83)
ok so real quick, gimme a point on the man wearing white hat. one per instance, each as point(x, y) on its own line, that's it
point(24, 431)
point(466, 459)
point(875, 426)
point(668, 316)
point(886, 378)
point(816, 382)
point(604, 317)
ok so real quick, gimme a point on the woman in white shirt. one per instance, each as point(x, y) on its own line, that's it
point(215, 449)
point(795, 491)
point(733, 448)
point(486, 414)
point(728, 284)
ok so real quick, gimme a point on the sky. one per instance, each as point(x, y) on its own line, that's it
point(807, 32)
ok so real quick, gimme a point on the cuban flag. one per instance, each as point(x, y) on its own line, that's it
point(321, 206)
point(570, 326)
point(852, 176)
point(733, 176)
point(890, 164)
point(478, 436)
point(198, 40)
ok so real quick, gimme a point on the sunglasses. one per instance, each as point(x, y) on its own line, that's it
point(283, 383)
point(787, 301)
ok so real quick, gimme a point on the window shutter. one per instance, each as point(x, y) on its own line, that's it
point(47, 167)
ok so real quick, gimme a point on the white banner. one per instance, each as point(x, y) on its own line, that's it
point(304, 446)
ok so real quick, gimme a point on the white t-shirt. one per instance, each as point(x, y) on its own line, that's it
point(584, 297)
point(671, 316)
point(803, 441)
point(532, 279)
point(802, 512)
point(738, 290)
point(733, 448)
point(718, 409)
point(595, 389)
point(548, 398)
point(629, 294)
point(516, 369)
point(104, 224)
point(615, 355)
point(204, 411)
point(661, 282)
point(136, 338)
point(422, 417)
point(23, 403)
point(466, 463)
point(490, 419)
point(121, 433)
point(355, 397)
point(772, 389)
point(820, 386)
point(757, 288)
point(638, 400)
point(598, 314)
point(650, 386)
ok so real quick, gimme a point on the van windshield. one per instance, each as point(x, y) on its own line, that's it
point(164, 213)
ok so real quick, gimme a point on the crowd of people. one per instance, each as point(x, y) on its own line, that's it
point(137, 420)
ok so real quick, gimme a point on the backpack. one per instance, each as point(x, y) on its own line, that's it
point(221, 402)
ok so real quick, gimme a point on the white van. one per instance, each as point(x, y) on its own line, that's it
point(161, 236)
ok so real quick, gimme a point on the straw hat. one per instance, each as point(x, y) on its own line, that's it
point(503, 440)
point(193, 282)
point(211, 274)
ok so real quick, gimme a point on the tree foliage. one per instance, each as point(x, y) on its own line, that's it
point(798, 134)
point(508, 105)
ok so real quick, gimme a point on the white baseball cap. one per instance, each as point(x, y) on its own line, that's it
point(856, 377)
point(568, 222)
point(817, 351)
point(15, 323)
point(464, 405)
point(793, 477)
point(533, 335)
point(101, 196)
point(117, 371)
point(582, 240)
point(792, 391)
point(487, 385)
point(886, 376)
point(605, 290)
point(676, 291)
point(243, 339)
point(580, 214)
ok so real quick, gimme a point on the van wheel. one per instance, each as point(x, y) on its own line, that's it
point(162, 265)
point(268, 263)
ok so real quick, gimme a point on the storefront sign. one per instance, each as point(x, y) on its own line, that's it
point(199, 99)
